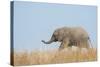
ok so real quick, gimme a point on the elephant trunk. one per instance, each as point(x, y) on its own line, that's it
point(50, 41)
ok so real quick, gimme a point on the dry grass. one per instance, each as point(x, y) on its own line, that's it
point(50, 57)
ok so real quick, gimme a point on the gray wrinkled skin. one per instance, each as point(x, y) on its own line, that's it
point(70, 36)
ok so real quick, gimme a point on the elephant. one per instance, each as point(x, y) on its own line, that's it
point(70, 36)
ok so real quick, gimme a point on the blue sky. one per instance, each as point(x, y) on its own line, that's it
point(35, 21)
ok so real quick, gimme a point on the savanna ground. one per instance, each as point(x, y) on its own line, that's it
point(54, 56)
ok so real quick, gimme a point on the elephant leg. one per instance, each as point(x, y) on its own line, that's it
point(84, 44)
point(78, 43)
point(73, 43)
point(64, 44)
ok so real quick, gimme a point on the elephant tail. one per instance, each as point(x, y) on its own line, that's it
point(90, 42)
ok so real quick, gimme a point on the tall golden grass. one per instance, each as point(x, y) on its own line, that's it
point(50, 57)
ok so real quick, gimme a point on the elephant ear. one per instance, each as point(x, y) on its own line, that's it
point(61, 35)
point(65, 42)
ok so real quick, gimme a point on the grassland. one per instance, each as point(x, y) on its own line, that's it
point(50, 57)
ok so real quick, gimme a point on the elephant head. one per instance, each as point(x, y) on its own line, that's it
point(58, 35)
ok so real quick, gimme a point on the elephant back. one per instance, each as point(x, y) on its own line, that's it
point(78, 32)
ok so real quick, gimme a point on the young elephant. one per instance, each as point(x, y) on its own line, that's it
point(75, 36)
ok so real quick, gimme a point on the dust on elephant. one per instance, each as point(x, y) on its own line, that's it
point(70, 36)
